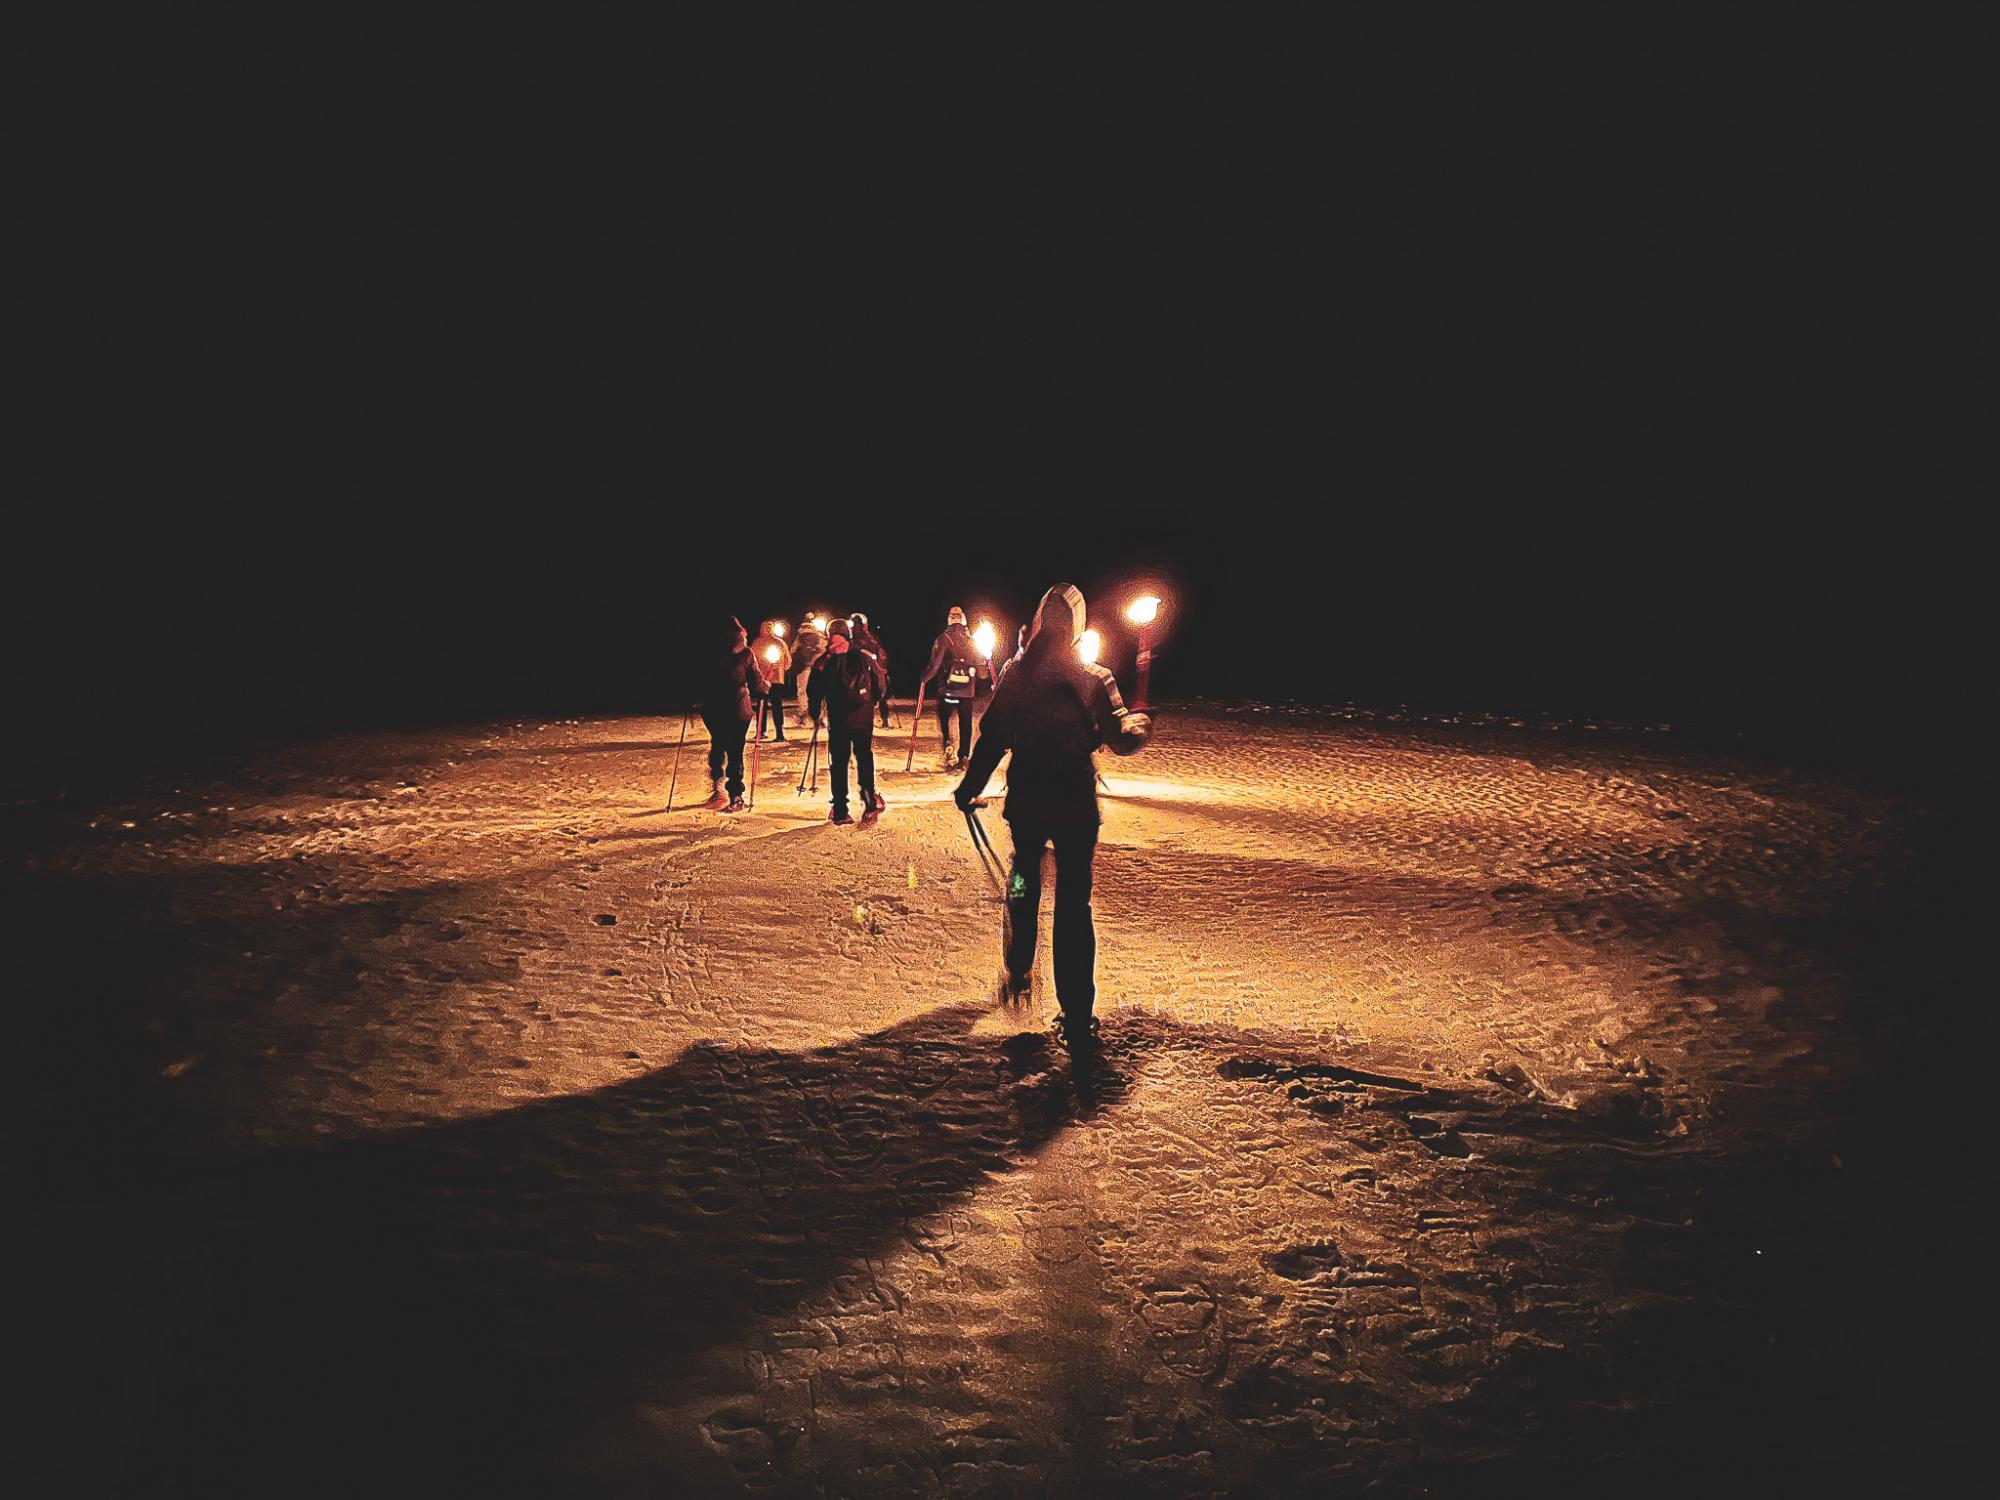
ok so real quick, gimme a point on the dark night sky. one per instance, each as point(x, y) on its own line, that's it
point(392, 371)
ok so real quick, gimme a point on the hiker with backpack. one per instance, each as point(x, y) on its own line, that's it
point(846, 683)
point(1052, 711)
point(727, 702)
point(955, 668)
point(865, 638)
point(774, 665)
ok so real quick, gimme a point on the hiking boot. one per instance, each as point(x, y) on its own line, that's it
point(735, 805)
point(1079, 1033)
point(719, 801)
point(839, 817)
point(874, 809)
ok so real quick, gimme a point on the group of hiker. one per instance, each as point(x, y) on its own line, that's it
point(837, 671)
point(1051, 710)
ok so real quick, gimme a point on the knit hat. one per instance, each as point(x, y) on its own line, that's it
point(956, 617)
point(840, 629)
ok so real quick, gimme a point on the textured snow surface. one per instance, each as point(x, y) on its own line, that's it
point(501, 1129)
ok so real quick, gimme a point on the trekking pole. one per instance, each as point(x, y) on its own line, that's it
point(756, 754)
point(672, 780)
point(812, 754)
point(916, 718)
point(989, 858)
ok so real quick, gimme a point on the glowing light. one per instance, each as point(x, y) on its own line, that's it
point(1088, 645)
point(770, 653)
point(778, 629)
point(1143, 610)
point(819, 623)
point(984, 638)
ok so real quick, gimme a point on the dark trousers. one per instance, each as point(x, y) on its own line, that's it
point(725, 742)
point(1075, 936)
point(771, 713)
point(860, 743)
point(963, 707)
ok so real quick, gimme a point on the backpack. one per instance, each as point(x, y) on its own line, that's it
point(961, 673)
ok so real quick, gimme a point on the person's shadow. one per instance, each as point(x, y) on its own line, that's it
point(395, 1312)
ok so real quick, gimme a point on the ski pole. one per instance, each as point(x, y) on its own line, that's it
point(812, 753)
point(675, 778)
point(916, 718)
point(989, 859)
point(756, 754)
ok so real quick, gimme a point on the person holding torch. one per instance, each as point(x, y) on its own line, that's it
point(954, 666)
point(774, 665)
point(811, 642)
point(1052, 711)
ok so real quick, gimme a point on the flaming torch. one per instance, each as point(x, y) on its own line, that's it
point(1143, 611)
point(778, 629)
point(1088, 645)
point(984, 639)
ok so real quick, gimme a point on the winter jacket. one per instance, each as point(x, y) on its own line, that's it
point(866, 640)
point(954, 664)
point(772, 671)
point(733, 685)
point(810, 645)
point(847, 681)
point(1052, 712)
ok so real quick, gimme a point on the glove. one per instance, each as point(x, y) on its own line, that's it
point(964, 798)
point(1139, 724)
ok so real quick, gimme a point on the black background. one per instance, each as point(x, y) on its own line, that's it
point(418, 368)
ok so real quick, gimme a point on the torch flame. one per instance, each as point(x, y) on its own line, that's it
point(984, 638)
point(1144, 610)
point(819, 623)
point(770, 653)
point(1088, 645)
point(778, 629)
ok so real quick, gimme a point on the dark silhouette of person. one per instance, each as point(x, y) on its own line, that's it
point(1052, 712)
point(954, 666)
point(847, 682)
point(727, 702)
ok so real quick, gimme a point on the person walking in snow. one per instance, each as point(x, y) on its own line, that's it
point(847, 682)
point(804, 653)
point(1052, 711)
point(774, 665)
point(733, 685)
point(864, 637)
point(954, 666)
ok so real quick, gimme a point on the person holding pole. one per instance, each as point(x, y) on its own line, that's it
point(954, 666)
point(1052, 711)
point(774, 665)
point(734, 684)
point(847, 682)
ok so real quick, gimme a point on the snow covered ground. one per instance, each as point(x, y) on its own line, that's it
point(462, 1118)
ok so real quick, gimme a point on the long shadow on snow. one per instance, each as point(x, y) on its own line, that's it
point(421, 1299)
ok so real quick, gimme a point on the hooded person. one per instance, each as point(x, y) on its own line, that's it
point(774, 665)
point(846, 683)
point(1052, 711)
point(955, 667)
point(805, 651)
point(864, 637)
point(733, 686)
